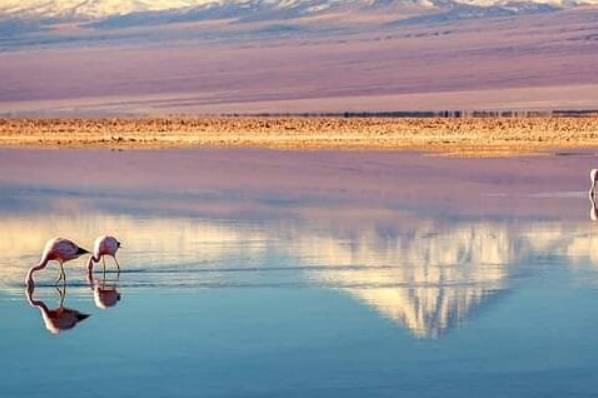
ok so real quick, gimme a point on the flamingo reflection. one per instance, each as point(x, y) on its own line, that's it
point(59, 319)
point(105, 295)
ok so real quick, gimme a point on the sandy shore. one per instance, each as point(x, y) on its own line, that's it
point(463, 136)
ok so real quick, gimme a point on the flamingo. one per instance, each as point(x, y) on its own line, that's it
point(104, 296)
point(59, 319)
point(593, 178)
point(60, 250)
point(103, 246)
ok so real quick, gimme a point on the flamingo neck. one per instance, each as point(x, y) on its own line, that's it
point(42, 264)
point(90, 264)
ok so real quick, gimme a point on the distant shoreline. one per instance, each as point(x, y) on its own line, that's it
point(428, 114)
point(479, 135)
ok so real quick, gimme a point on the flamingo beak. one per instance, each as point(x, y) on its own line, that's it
point(80, 317)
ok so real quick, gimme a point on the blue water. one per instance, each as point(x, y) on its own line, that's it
point(301, 296)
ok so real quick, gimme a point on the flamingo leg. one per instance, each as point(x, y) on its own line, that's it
point(63, 274)
point(104, 263)
point(59, 275)
point(117, 264)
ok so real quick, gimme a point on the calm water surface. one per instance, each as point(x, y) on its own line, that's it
point(257, 273)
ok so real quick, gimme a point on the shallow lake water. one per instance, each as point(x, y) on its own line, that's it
point(264, 273)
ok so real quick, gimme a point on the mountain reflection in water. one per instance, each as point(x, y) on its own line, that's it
point(274, 273)
point(428, 275)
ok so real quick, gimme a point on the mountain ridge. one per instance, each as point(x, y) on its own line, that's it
point(103, 9)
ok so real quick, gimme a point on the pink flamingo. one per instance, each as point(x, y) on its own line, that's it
point(60, 250)
point(103, 246)
point(593, 179)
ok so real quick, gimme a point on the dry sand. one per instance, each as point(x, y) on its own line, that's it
point(458, 136)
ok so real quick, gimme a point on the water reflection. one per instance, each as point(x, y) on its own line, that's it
point(155, 242)
point(59, 319)
point(435, 276)
point(105, 291)
point(509, 286)
point(426, 275)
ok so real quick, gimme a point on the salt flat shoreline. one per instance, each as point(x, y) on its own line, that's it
point(468, 136)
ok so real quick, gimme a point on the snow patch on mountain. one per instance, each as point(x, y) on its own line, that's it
point(97, 9)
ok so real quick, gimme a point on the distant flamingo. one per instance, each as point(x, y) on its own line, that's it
point(593, 178)
point(103, 246)
point(59, 319)
point(60, 250)
point(104, 296)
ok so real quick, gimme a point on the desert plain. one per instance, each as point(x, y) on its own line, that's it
point(468, 136)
